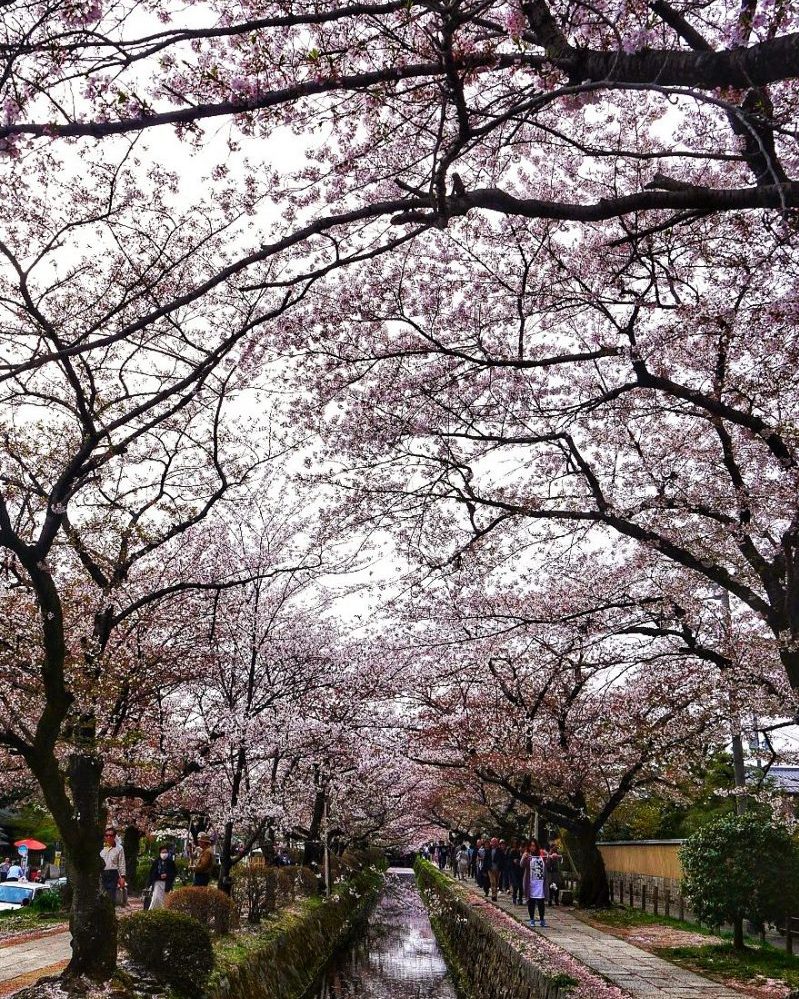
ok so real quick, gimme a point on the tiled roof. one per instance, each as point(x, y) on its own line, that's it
point(786, 778)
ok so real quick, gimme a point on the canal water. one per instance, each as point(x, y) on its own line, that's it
point(397, 957)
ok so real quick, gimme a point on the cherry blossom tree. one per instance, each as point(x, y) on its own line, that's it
point(420, 92)
point(115, 450)
point(503, 396)
point(354, 758)
point(567, 308)
point(268, 657)
point(568, 696)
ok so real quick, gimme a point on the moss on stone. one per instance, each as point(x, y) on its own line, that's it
point(483, 963)
point(289, 952)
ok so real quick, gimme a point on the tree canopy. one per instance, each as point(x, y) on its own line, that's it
point(512, 285)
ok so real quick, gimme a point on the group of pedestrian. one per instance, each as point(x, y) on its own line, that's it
point(522, 868)
point(163, 869)
point(11, 870)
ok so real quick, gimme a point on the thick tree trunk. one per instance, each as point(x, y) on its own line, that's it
point(738, 933)
point(225, 882)
point(93, 925)
point(593, 892)
point(314, 849)
point(92, 920)
point(789, 657)
point(131, 840)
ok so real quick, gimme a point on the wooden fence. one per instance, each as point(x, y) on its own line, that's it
point(648, 898)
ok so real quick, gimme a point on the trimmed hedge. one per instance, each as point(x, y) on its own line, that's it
point(740, 867)
point(297, 946)
point(209, 906)
point(483, 965)
point(173, 947)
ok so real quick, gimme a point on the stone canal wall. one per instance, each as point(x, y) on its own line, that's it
point(484, 964)
point(291, 952)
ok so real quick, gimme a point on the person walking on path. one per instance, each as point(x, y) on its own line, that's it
point(534, 885)
point(515, 859)
point(496, 863)
point(478, 845)
point(463, 862)
point(204, 863)
point(483, 864)
point(553, 877)
point(113, 873)
point(162, 876)
point(505, 873)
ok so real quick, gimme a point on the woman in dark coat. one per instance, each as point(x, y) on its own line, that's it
point(162, 876)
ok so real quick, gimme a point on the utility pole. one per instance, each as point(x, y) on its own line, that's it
point(738, 765)
point(326, 848)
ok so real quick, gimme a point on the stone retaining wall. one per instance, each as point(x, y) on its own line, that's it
point(296, 952)
point(484, 965)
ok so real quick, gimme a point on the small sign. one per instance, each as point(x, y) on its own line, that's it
point(22, 851)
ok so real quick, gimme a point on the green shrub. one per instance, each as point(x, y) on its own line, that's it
point(306, 882)
point(260, 890)
point(354, 860)
point(740, 867)
point(46, 901)
point(143, 865)
point(185, 875)
point(209, 906)
point(173, 947)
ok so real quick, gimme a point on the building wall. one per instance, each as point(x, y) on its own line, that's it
point(652, 870)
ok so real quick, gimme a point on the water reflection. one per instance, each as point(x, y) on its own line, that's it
point(397, 958)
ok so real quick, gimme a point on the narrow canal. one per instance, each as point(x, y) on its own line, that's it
point(397, 957)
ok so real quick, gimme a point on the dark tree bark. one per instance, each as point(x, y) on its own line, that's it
point(92, 919)
point(225, 881)
point(593, 891)
point(314, 849)
point(131, 840)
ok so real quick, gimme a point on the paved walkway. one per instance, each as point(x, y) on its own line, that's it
point(32, 957)
point(641, 974)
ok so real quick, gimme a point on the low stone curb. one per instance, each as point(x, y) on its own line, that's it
point(484, 964)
